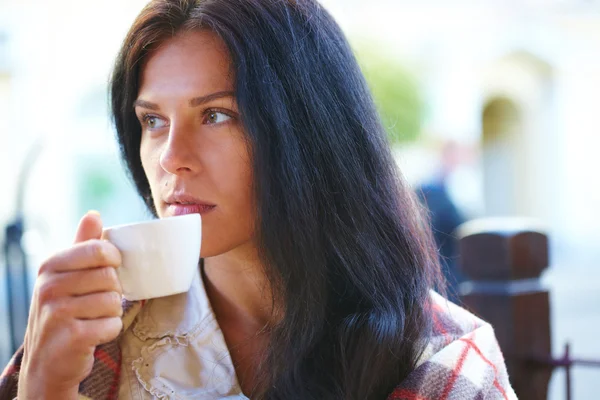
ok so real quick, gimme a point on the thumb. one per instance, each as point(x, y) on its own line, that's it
point(90, 227)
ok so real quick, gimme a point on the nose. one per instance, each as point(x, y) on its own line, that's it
point(178, 156)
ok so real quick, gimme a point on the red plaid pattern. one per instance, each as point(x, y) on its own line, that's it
point(462, 361)
point(103, 381)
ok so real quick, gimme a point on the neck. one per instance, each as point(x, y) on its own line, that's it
point(238, 289)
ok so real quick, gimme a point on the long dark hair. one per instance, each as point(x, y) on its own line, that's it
point(348, 254)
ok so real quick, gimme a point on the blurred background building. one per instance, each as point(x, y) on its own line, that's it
point(512, 85)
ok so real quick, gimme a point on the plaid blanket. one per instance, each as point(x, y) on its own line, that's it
point(462, 361)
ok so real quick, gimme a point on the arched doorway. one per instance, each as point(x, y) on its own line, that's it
point(503, 175)
point(518, 139)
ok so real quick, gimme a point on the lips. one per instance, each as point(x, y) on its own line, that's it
point(183, 209)
point(182, 204)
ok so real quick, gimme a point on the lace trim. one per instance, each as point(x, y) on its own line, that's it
point(149, 354)
point(141, 368)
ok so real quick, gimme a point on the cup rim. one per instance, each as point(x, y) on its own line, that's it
point(151, 222)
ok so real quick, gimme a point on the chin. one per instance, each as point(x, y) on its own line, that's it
point(207, 251)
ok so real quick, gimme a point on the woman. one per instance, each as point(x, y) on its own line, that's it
point(317, 268)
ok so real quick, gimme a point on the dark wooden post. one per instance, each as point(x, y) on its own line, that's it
point(503, 260)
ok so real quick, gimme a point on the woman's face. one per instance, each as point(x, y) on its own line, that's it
point(193, 148)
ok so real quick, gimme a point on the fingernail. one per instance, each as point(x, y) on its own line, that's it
point(94, 212)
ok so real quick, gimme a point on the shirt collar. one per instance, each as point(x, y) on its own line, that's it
point(176, 315)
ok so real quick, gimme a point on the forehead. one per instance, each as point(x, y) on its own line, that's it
point(192, 63)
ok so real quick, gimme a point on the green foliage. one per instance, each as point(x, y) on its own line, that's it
point(395, 92)
point(97, 186)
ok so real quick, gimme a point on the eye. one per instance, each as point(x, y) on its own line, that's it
point(215, 117)
point(153, 122)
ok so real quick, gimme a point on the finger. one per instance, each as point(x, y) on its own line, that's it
point(96, 305)
point(84, 255)
point(103, 279)
point(95, 332)
point(78, 283)
point(90, 227)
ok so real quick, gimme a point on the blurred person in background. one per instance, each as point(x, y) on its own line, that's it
point(445, 215)
point(317, 270)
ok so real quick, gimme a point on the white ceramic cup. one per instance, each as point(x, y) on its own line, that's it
point(159, 257)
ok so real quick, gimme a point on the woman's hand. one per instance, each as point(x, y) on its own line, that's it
point(76, 306)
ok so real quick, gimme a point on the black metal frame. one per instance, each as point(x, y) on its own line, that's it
point(15, 258)
point(567, 363)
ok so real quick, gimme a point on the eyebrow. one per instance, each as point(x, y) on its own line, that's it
point(195, 102)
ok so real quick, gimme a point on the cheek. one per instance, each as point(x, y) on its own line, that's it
point(237, 174)
point(233, 174)
point(150, 163)
point(245, 188)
